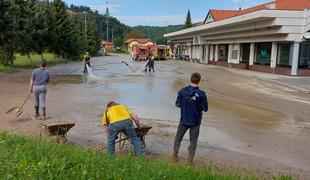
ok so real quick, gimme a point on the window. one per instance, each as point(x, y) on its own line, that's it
point(223, 52)
point(245, 52)
point(284, 58)
point(196, 40)
point(263, 54)
point(234, 54)
point(304, 55)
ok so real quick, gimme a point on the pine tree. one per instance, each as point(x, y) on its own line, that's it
point(42, 34)
point(93, 40)
point(188, 22)
point(28, 30)
point(9, 26)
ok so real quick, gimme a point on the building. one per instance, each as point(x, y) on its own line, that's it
point(273, 37)
point(140, 42)
point(106, 46)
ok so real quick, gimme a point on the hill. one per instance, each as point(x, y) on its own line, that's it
point(157, 32)
point(119, 29)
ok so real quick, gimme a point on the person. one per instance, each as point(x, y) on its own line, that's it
point(116, 119)
point(86, 61)
point(150, 63)
point(38, 86)
point(192, 101)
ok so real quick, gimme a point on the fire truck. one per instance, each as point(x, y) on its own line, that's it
point(158, 51)
point(140, 52)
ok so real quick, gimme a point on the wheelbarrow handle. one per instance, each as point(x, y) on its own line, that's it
point(26, 100)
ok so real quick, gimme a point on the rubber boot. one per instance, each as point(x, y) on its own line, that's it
point(174, 157)
point(190, 161)
point(37, 111)
point(43, 114)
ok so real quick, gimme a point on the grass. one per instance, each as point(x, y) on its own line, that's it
point(23, 158)
point(7, 69)
point(21, 62)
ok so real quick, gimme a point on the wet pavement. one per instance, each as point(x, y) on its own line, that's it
point(252, 124)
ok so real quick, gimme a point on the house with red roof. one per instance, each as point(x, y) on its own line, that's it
point(138, 42)
point(273, 37)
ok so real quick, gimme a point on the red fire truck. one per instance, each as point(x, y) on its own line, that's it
point(142, 52)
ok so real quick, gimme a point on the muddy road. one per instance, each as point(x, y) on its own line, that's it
point(252, 124)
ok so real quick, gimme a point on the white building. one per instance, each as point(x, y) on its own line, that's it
point(271, 37)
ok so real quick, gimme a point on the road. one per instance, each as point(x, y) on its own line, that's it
point(254, 123)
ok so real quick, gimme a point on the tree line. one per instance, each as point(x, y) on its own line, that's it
point(35, 26)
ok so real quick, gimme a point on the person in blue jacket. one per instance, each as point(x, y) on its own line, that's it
point(193, 102)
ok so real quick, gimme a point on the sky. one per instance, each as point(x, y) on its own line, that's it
point(162, 12)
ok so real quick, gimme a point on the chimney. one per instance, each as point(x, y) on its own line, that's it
point(240, 9)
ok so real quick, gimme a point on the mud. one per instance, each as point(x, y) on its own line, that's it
point(253, 124)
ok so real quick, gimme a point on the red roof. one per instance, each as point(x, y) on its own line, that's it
point(222, 14)
point(293, 4)
point(279, 4)
point(138, 40)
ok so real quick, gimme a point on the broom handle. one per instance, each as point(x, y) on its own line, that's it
point(25, 100)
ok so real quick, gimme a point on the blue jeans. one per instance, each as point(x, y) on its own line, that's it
point(127, 127)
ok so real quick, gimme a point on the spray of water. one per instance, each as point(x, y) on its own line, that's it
point(134, 71)
point(143, 67)
point(91, 75)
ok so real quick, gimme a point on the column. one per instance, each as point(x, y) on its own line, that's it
point(211, 57)
point(230, 48)
point(252, 54)
point(206, 53)
point(295, 59)
point(238, 47)
point(274, 51)
point(216, 52)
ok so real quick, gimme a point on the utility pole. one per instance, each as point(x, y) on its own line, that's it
point(85, 21)
point(167, 30)
point(112, 34)
point(107, 16)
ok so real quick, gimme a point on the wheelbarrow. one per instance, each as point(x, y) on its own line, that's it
point(54, 130)
point(141, 133)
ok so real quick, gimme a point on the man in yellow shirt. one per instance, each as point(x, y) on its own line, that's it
point(116, 119)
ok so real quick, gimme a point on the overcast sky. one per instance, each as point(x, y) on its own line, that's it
point(162, 12)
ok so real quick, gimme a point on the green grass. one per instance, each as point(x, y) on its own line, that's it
point(7, 69)
point(23, 158)
point(21, 61)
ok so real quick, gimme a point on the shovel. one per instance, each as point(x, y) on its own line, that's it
point(18, 110)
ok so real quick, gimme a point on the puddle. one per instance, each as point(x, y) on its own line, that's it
point(67, 79)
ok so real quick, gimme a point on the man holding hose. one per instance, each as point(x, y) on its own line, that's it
point(38, 85)
point(116, 119)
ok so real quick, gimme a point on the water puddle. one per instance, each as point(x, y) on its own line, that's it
point(67, 79)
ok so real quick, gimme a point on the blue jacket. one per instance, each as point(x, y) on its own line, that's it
point(192, 102)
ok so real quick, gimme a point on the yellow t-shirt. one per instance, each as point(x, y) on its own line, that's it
point(115, 114)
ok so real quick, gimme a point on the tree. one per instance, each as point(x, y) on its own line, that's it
point(133, 34)
point(65, 36)
point(92, 40)
point(28, 29)
point(188, 22)
point(118, 42)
